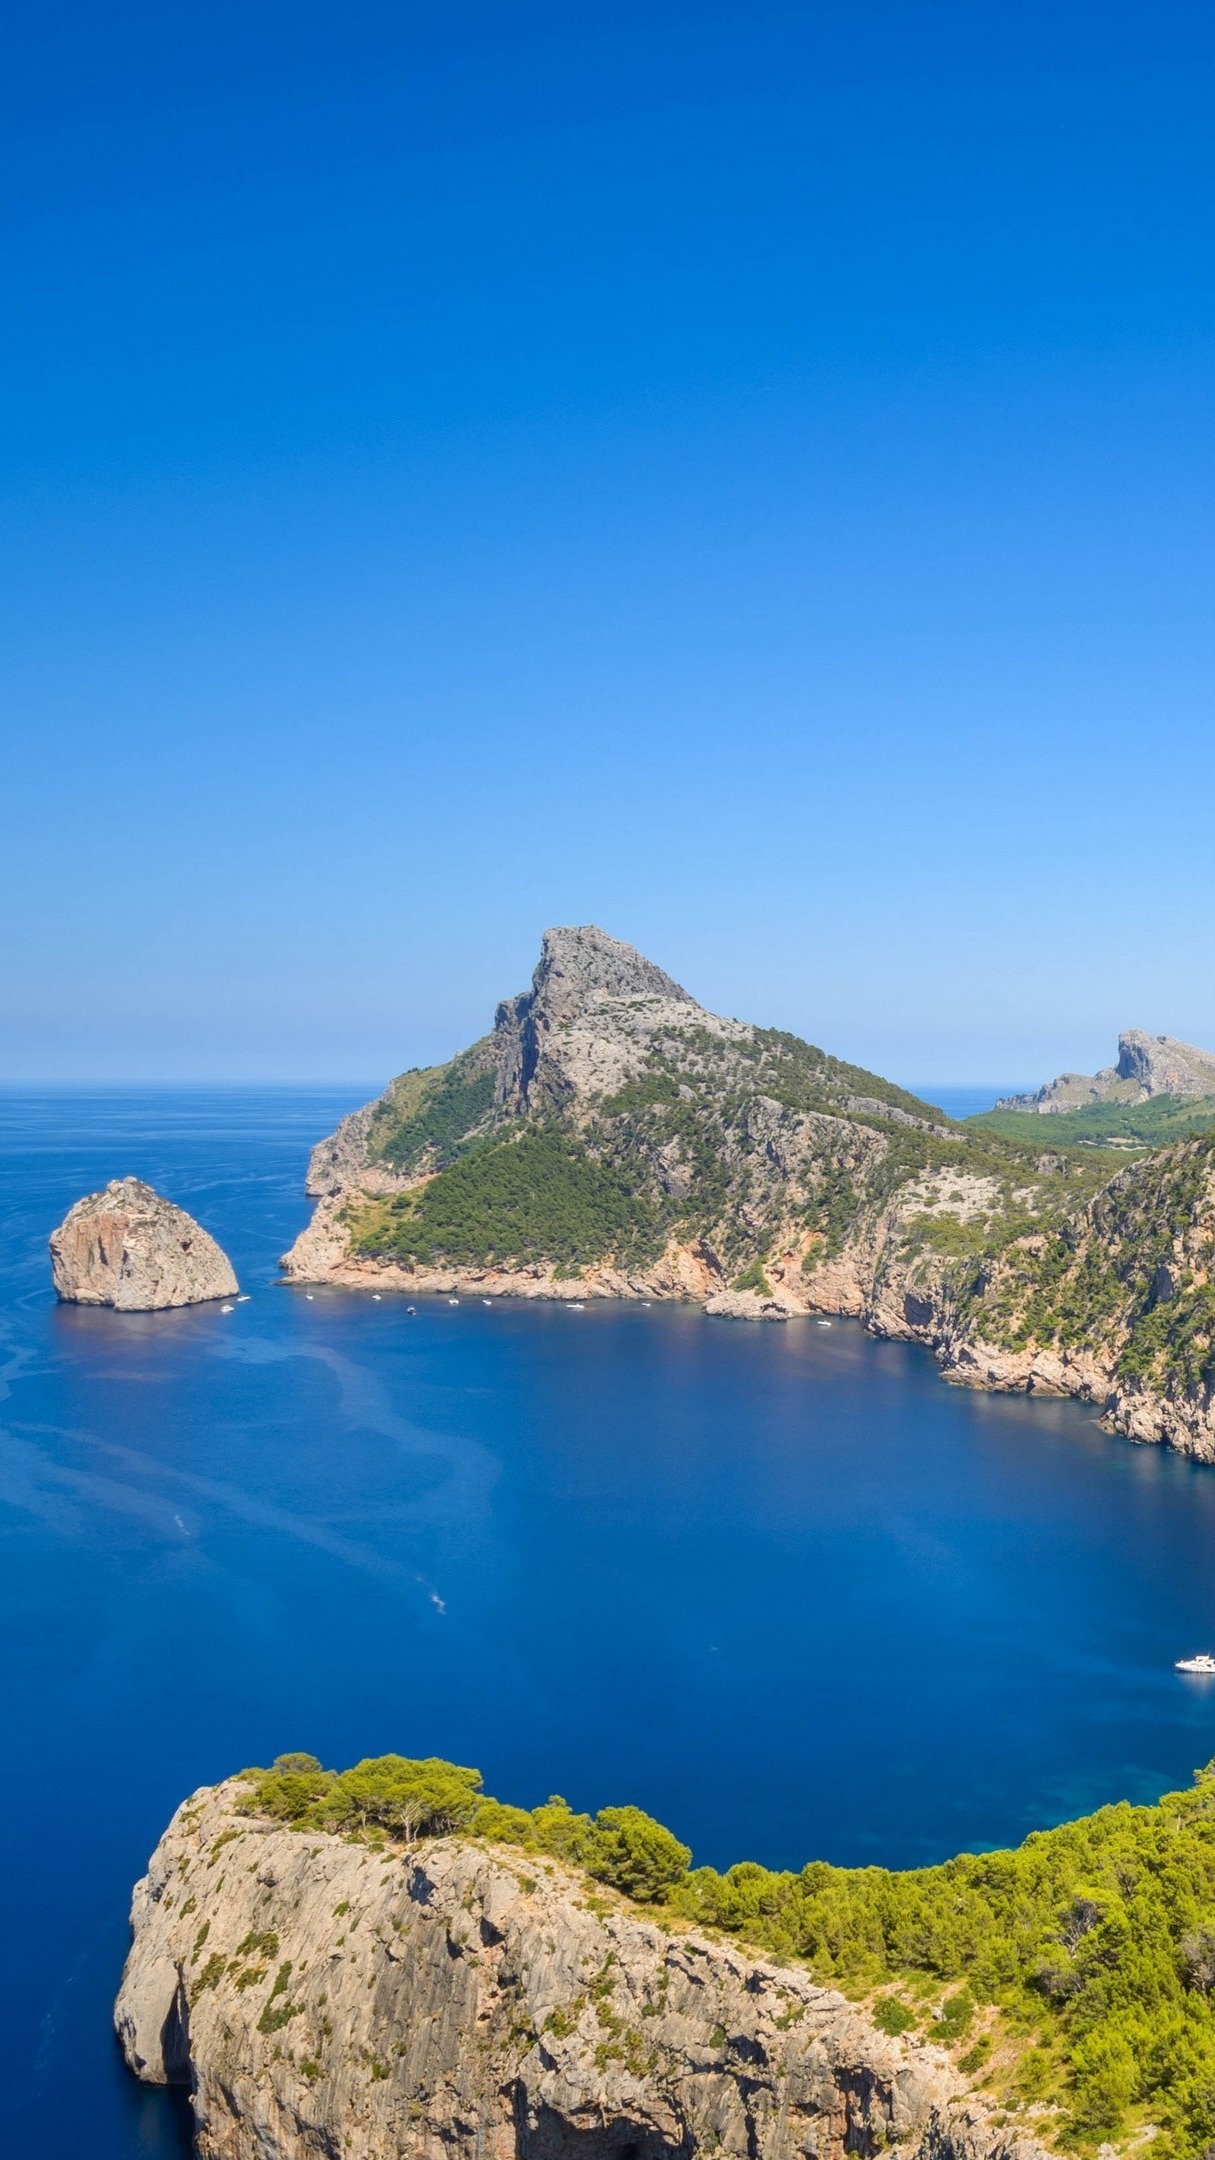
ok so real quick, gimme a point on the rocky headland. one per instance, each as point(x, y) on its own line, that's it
point(612, 1138)
point(1146, 1066)
point(323, 1996)
point(130, 1248)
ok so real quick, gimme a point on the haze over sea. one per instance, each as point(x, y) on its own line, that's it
point(777, 1584)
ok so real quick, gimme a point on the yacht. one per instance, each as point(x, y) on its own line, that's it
point(1202, 1663)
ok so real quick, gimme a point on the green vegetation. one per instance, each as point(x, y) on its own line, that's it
point(1094, 1942)
point(1087, 1955)
point(276, 2013)
point(432, 1115)
point(949, 1234)
point(1159, 1122)
point(1111, 1275)
point(795, 1073)
point(832, 1211)
point(542, 1195)
point(407, 1799)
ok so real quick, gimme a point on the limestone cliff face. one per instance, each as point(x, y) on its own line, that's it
point(563, 1037)
point(320, 1998)
point(1147, 1065)
point(130, 1248)
point(1117, 1306)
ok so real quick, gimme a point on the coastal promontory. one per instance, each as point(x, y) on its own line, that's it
point(611, 1137)
point(456, 2000)
point(384, 1963)
point(130, 1248)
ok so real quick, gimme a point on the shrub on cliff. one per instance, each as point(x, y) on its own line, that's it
point(635, 1854)
point(411, 1798)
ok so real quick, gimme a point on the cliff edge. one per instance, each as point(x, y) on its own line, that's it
point(322, 1997)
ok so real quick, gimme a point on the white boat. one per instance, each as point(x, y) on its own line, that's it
point(1200, 1664)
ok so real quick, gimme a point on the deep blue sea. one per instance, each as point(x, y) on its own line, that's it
point(777, 1584)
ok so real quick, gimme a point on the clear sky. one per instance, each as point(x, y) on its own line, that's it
point(739, 473)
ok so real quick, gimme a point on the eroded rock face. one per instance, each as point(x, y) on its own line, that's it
point(130, 1248)
point(475, 2004)
point(1147, 1065)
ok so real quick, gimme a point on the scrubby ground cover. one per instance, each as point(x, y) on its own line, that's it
point(1131, 1271)
point(1158, 1122)
point(744, 1146)
point(1074, 1974)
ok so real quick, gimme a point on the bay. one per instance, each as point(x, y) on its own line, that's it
point(777, 1584)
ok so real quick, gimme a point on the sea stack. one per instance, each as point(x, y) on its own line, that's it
point(130, 1248)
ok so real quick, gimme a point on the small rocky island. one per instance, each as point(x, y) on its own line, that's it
point(130, 1248)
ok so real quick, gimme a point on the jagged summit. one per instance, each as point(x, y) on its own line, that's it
point(581, 973)
point(1147, 1065)
point(581, 964)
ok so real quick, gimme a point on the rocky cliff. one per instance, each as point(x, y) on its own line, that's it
point(130, 1248)
point(322, 1997)
point(1147, 1066)
point(1115, 1304)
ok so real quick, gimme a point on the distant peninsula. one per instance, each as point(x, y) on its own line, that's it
point(610, 1137)
point(1147, 1066)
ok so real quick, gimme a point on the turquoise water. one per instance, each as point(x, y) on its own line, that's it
point(777, 1584)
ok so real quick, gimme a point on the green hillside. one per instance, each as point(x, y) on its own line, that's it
point(708, 1144)
point(1156, 1123)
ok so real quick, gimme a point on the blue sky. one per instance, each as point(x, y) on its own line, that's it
point(740, 474)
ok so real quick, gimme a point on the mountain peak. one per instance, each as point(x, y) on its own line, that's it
point(580, 962)
point(580, 969)
point(1147, 1065)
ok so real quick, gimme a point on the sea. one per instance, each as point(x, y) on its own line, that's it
point(777, 1584)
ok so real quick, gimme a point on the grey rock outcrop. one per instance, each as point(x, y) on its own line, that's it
point(581, 974)
point(1147, 1065)
point(130, 1248)
point(472, 2003)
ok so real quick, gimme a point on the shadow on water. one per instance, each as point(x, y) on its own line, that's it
point(158, 2122)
